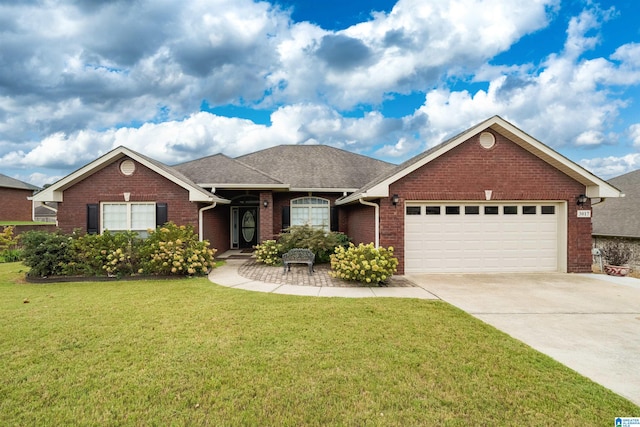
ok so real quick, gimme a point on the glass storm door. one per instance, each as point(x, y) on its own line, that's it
point(248, 227)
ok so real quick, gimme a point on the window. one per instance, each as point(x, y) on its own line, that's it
point(472, 210)
point(312, 211)
point(510, 210)
point(491, 210)
point(432, 210)
point(529, 210)
point(138, 217)
point(452, 210)
point(414, 210)
point(548, 210)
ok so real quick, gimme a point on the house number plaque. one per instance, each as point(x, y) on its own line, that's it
point(584, 214)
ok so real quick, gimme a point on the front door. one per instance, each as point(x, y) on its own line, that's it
point(245, 227)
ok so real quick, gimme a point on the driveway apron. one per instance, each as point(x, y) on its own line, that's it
point(590, 323)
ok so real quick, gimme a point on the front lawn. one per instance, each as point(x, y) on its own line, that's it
point(189, 352)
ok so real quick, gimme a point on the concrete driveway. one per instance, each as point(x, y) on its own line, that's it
point(590, 323)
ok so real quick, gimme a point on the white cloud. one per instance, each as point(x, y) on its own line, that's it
point(612, 166)
point(95, 75)
point(634, 133)
point(568, 101)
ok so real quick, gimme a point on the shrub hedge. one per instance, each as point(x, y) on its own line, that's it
point(169, 250)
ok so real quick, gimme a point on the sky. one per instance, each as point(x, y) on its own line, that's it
point(182, 79)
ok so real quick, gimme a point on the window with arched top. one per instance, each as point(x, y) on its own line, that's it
point(312, 211)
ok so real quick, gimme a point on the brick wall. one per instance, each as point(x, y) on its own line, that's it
point(266, 216)
point(216, 224)
point(512, 173)
point(361, 223)
point(109, 185)
point(14, 205)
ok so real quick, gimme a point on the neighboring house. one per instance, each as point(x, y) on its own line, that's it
point(45, 212)
point(492, 199)
point(618, 219)
point(14, 202)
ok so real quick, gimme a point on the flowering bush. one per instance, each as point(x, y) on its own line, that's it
point(169, 250)
point(269, 252)
point(175, 250)
point(363, 263)
point(115, 254)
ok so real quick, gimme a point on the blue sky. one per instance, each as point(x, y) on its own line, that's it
point(178, 80)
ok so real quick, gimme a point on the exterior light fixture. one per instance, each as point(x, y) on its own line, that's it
point(581, 200)
point(395, 199)
point(265, 203)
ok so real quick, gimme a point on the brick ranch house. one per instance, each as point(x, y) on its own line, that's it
point(14, 194)
point(491, 199)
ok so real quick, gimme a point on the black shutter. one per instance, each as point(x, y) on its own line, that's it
point(92, 218)
point(162, 214)
point(286, 217)
point(335, 225)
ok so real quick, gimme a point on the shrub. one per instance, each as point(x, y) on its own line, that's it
point(175, 250)
point(616, 253)
point(363, 263)
point(9, 251)
point(169, 250)
point(47, 254)
point(114, 254)
point(269, 252)
point(317, 240)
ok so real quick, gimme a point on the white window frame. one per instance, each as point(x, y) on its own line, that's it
point(129, 217)
point(302, 203)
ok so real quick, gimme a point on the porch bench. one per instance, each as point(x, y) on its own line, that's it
point(298, 256)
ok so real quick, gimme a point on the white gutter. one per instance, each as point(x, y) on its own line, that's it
point(377, 219)
point(200, 218)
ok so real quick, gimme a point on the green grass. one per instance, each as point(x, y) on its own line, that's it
point(3, 223)
point(189, 352)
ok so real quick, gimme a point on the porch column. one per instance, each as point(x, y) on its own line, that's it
point(266, 216)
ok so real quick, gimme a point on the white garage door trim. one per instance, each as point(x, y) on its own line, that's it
point(489, 237)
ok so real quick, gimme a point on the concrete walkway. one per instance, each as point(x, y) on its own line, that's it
point(588, 322)
point(229, 275)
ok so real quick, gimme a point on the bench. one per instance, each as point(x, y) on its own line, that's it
point(298, 256)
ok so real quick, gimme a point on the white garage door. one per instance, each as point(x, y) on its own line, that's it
point(458, 237)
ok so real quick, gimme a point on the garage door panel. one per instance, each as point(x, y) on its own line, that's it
point(481, 243)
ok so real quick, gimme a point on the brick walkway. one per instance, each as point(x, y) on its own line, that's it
point(299, 276)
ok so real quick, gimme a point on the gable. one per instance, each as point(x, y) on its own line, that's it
point(467, 170)
point(55, 193)
point(594, 186)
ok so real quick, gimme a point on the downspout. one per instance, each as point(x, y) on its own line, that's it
point(200, 220)
point(376, 208)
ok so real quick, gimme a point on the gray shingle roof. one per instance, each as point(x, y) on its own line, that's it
point(316, 166)
point(222, 170)
point(8, 182)
point(620, 216)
